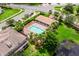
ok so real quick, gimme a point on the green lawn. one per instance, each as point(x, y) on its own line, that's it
point(65, 32)
point(32, 51)
point(58, 8)
point(7, 13)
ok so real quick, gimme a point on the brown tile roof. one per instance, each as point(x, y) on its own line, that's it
point(10, 40)
point(45, 20)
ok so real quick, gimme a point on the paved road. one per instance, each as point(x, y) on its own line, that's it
point(28, 9)
point(40, 8)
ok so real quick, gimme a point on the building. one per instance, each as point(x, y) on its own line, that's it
point(45, 20)
point(11, 41)
point(68, 48)
point(38, 26)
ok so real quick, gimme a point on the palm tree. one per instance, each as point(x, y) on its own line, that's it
point(19, 26)
point(54, 26)
point(56, 14)
point(70, 19)
point(69, 8)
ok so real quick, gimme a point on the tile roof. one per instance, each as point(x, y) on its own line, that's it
point(10, 40)
point(45, 20)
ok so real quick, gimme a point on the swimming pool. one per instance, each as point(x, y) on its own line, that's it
point(36, 29)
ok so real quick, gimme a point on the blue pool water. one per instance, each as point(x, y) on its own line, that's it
point(36, 29)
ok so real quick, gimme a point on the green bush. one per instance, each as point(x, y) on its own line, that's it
point(29, 20)
point(45, 13)
point(69, 8)
point(58, 8)
point(19, 26)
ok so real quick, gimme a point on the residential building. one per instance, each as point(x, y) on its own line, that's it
point(38, 26)
point(11, 41)
point(46, 20)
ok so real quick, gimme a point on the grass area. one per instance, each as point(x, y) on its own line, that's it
point(58, 8)
point(32, 51)
point(7, 13)
point(45, 14)
point(64, 32)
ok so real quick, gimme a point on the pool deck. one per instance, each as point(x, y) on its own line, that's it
point(35, 23)
point(41, 22)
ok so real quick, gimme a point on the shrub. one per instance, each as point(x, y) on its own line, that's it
point(19, 26)
point(69, 8)
point(45, 13)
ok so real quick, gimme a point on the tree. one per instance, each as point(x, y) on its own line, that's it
point(26, 16)
point(50, 43)
point(10, 22)
point(70, 19)
point(39, 41)
point(69, 8)
point(36, 40)
point(50, 11)
point(19, 26)
point(45, 13)
point(54, 26)
point(56, 13)
point(77, 9)
point(32, 37)
point(45, 41)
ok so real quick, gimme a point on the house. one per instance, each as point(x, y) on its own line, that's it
point(45, 20)
point(11, 41)
point(68, 48)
